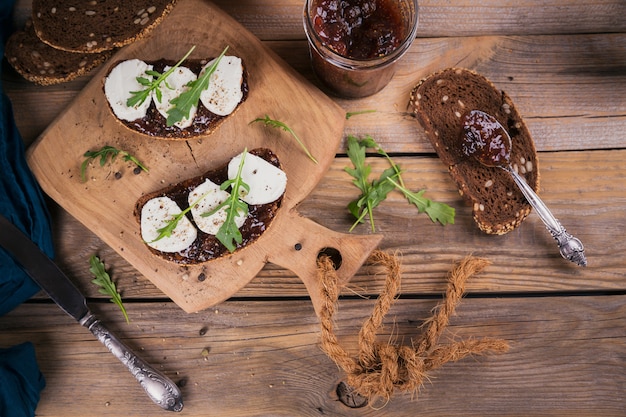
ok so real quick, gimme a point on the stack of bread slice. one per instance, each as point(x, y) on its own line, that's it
point(64, 40)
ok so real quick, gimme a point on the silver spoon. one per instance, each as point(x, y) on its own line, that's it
point(488, 142)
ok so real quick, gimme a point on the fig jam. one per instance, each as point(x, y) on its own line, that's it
point(359, 29)
point(204, 122)
point(207, 247)
point(485, 139)
point(355, 44)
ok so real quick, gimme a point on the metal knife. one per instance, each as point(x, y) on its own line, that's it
point(62, 291)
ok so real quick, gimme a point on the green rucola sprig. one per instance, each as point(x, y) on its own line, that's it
point(138, 97)
point(374, 192)
point(107, 286)
point(281, 125)
point(104, 153)
point(229, 234)
point(182, 105)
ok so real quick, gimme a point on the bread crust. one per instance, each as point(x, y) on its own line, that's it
point(206, 247)
point(438, 103)
point(42, 64)
point(97, 26)
point(154, 125)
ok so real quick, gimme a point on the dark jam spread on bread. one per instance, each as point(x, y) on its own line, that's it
point(439, 102)
point(154, 124)
point(210, 100)
point(485, 140)
point(206, 246)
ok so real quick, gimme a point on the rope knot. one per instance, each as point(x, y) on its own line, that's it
point(393, 367)
point(382, 368)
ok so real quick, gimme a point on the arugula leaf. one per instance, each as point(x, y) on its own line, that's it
point(369, 142)
point(107, 286)
point(138, 97)
point(183, 104)
point(356, 113)
point(360, 173)
point(166, 231)
point(438, 212)
point(103, 153)
point(372, 193)
point(376, 194)
point(356, 153)
point(376, 191)
point(280, 125)
point(228, 231)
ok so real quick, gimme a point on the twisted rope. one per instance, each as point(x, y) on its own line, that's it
point(381, 368)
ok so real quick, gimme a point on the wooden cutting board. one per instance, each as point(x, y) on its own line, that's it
point(105, 202)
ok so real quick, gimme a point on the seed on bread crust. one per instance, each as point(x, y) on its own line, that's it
point(497, 204)
point(41, 64)
point(68, 28)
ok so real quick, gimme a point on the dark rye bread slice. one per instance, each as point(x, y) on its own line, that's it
point(438, 102)
point(205, 122)
point(92, 26)
point(206, 247)
point(42, 64)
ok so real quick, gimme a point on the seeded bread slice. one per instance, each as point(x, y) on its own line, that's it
point(438, 102)
point(96, 25)
point(42, 64)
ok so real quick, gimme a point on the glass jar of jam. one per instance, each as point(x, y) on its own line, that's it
point(355, 44)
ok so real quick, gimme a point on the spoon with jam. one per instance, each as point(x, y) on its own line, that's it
point(486, 140)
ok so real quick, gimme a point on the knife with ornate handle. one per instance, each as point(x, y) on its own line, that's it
point(62, 291)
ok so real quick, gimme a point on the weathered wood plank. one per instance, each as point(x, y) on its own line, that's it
point(585, 190)
point(564, 64)
point(263, 358)
point(270, 20)
point(555, 82)
point(282, 20)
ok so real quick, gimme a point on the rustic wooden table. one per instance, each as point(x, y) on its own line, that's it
point(564, 65)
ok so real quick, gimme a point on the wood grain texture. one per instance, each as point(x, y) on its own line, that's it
point(107, 206)
point(564, 65)
point(263, 358)
point(585, 190)
point(282, 19)
point(569, 89)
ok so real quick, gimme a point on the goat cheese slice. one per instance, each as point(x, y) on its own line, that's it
point(213, 196)
point(174, 85)
point(267, 182)
point(223, 93)
point(154, 215)
point(118, 85)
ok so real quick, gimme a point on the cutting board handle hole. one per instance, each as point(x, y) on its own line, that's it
point(333, 254)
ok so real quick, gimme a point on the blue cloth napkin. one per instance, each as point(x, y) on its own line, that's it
point(22, 202)
point(20, 381)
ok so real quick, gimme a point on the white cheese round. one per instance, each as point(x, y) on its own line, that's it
point(174, 85)
point(267, 182)
point(118, 85)
point(155, 215)
point(214, 197)
point(223, 93)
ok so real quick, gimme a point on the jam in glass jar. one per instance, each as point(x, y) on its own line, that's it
point(355, 44)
